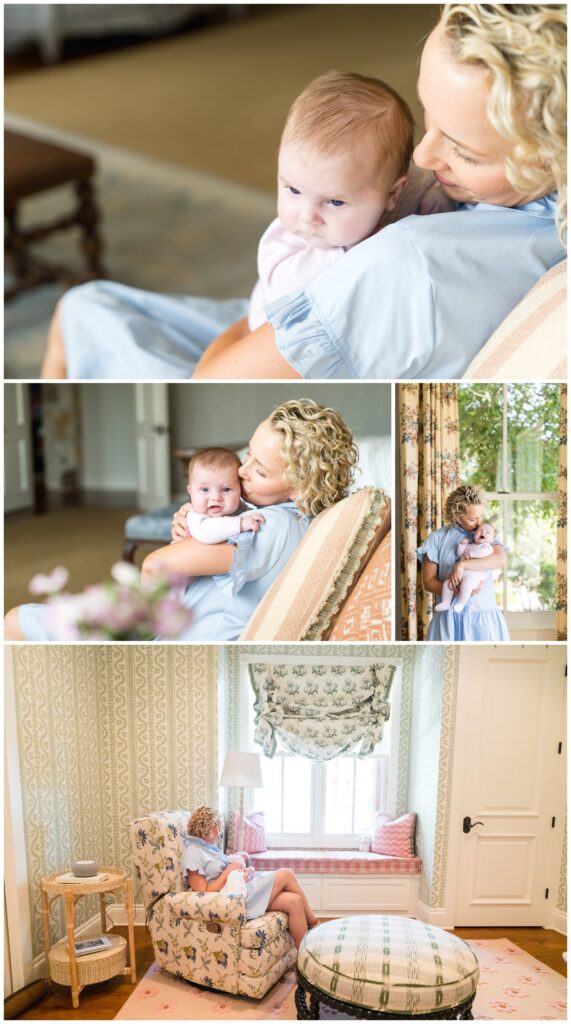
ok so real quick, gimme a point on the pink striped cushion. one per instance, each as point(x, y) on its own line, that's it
point(394, 836)
point(254, 833)
point(335, 862)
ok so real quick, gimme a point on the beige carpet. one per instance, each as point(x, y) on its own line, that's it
point(87, 541)
point(215, 100)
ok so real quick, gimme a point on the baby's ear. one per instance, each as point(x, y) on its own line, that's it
point(393, 196)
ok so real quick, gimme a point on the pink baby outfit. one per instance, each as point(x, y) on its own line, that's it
point(285, 264)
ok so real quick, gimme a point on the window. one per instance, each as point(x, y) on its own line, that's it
point(321, 804)
point(509, 444)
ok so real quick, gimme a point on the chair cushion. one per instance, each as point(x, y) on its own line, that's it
point(530, 344)
point(388, 963)
point(335, 862)
point(394, 836)
point(152, 525)
point(261, 930)
point(304, 600)
point(367, 612)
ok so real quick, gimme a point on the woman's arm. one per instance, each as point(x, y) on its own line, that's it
point(197, 882)
point(188, 557)
point(496, 561)
point(242, 355)
point(430, 581)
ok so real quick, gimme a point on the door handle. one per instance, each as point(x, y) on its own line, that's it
point(160, 429)
point(468, 824)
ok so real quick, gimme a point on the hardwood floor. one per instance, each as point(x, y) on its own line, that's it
point(102, 1002)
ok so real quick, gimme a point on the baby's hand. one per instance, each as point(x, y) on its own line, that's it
point(237, 859)
point(249, 874)
point(251, 521)
point(435, 200)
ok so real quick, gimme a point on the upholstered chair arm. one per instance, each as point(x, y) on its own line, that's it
point(207, 906)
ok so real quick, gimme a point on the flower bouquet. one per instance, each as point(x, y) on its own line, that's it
point(124, 608)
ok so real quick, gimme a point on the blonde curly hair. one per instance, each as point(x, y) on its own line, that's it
point(458, 502)
point(524, 49)
point(319, 453)
point(202, 821)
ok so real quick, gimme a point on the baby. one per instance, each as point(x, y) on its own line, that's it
point(343, 162)
point(484, 537)
point(218, 511)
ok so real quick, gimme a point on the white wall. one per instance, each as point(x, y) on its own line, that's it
point(109, 454)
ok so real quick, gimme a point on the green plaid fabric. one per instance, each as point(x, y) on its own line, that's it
point(391, 964)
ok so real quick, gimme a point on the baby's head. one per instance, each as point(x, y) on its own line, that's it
point(344, 156)
point(484, 534)
point(213, 482)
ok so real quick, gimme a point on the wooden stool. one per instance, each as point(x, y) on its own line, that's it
point(30, 167)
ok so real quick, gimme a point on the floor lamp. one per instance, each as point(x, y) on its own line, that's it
point(243, 770)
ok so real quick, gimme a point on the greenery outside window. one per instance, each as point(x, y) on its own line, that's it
point(509, 445)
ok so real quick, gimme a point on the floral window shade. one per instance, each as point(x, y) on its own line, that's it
point(320, 711)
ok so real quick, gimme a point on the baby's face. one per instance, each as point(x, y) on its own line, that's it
point(214, 492)
point(484, 534)
point(330, 201)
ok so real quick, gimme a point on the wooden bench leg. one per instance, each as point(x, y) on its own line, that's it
point(129, 548)
point(88, 220)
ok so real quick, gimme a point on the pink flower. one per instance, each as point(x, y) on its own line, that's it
point(515, 993)
point(557, 1004)
point(528, 979)
point(126, 574)
point(148, 992)
point(61, 618)
point(50, 583)
point(498, 1004)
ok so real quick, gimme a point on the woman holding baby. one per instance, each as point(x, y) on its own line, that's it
point(205, 868)
point(457, 563)
point(417, 298)
point(300, 461)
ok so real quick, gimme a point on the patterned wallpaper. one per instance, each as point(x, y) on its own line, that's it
point(106, 733)
point(562, 890)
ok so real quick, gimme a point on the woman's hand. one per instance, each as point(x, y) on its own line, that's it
point(179, 528)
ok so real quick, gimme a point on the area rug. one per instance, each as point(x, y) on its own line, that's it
point(163, 228)
point(513, 986)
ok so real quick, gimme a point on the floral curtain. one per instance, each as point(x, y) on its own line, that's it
point(561, 570)
point(429, 470)
point(320, 710)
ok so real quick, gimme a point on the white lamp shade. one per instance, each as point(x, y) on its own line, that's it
point(241, 769)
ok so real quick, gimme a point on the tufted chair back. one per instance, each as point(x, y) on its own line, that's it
point(157, 843)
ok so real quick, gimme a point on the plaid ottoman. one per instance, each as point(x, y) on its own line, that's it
point(379, 966)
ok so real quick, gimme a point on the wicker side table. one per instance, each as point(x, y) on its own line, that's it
point(61, 962)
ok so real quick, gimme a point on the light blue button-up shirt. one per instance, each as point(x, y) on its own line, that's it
point(419, 299)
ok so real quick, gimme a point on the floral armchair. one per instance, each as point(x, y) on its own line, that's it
point(203, 937)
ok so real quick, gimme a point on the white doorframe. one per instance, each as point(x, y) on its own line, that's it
point(152, 427)
point(557, 654)
point(16, 885)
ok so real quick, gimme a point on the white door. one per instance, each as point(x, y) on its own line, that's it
point(509, 756)
point(153, 445)
point(18, 481)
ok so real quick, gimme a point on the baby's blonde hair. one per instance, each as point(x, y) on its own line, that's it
point(215, 458)
point(341, 111)
point(523, 47)
point(459, 500)
point(319, 453)
point(202, 821)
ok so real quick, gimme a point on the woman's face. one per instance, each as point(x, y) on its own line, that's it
point(472, 517)
point(460, 146)
point(262, 472)
point(214, 833)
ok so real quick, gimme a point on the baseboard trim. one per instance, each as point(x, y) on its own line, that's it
point(559, 921)
point(429, 915)
point(118, 914)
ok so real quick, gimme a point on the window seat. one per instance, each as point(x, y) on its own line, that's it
point(325, 862)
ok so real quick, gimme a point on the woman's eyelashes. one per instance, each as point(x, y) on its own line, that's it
point(466, 159)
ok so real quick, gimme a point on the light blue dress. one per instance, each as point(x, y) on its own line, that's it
point(481, 618)
point(417, 300)
point(209, 861)
point(222, 604)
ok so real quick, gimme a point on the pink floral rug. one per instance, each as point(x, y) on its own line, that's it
point(513, 986)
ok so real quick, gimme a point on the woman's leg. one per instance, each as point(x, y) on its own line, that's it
point(54, 365)
point(292, 905)
point(285, 881)
point(12, 627)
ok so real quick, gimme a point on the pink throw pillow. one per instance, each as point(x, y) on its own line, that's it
point(254, 833)
point(394, 836)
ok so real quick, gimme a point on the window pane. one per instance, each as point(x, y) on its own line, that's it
point(531, 537)
point(533, 437)
point(297, 795)
point(269, 799)
point(365, 791)
point(480, 409)
point(339, 795)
